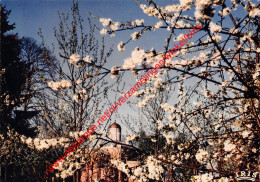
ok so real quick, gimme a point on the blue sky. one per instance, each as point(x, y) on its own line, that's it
point(30, 15)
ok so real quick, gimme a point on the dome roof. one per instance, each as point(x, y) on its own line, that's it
point(115, 125)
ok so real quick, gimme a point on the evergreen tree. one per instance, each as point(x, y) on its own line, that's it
point(13, 79)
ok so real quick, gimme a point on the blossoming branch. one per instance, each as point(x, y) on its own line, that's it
point(144, 78)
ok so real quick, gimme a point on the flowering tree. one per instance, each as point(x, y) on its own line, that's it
point(74, 93)
point(76, 88)
point(217, 105)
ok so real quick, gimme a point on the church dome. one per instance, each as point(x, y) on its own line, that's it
point(115, 132)
point(115, 125)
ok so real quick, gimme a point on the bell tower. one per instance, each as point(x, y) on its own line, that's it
point(115, 132)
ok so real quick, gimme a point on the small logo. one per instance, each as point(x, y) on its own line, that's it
point(246, 175)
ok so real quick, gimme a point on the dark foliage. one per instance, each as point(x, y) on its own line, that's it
point(13, 80)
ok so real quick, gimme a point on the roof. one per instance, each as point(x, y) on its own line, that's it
point(115, 125)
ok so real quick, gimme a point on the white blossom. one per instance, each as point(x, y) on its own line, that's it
point(245, 134)
point(185, 2)
point(105, 22)
point(158, 83)
point(103, 31)
point(65, 84)
point(168, 108)
point(228, 146)
point(226, 11)
point(169, 137)
point(158, 24)
point(224, 84)
point(53, 85)
point(159, 124)
point(216, 38)
point(233, 30)
point(115, 71)
point(58, 85)
point(120, 46)
point(197, 103)
point(200, 6)
point(87, 59)
point(74, 58)
point(202, 155)
point(142, 103)
point(114, 26)
point(135, 35)
point(224, 179)
point(131, 138)
point(172, 8)
point(79, 81)
point(76, 97)
point(139, 22)
point(214, 27)
point(254, 12)
point(207, 177)
point(137, 57)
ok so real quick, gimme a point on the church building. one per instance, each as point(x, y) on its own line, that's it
point(100, 168)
